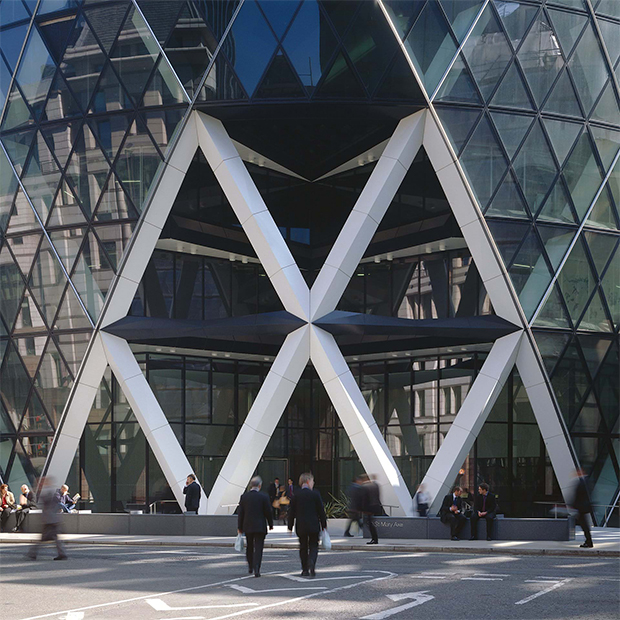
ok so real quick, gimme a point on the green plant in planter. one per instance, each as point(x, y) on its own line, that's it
point(337, 507)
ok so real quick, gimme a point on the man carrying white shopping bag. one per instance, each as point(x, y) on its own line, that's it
point(306, 511)
point(254, 515)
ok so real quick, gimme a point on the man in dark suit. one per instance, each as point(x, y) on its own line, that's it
point(254, 515)
point(485, 506)
point(274, 492)
point(355, 495)
point(451, 512)
point(583, 506)
point(290, 489)
point(191, 490)
point(306, 511)
point(371, 506)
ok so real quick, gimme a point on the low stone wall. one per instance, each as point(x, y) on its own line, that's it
point(503, 528)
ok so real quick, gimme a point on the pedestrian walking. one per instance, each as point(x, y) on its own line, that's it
point(191, 490)
point(274, 491)
point(372, 507)
point(421, 501)
point(583, 506)
point(307, 513)
point(355, 493)
point(254, 515)
point(50, 519)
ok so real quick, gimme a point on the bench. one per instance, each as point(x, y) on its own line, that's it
point(504, 528)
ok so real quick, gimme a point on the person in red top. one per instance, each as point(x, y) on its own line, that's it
point(7, 504)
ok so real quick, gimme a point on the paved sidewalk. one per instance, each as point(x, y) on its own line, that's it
point(606, 543)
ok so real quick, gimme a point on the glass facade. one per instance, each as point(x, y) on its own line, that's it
point(92, 97)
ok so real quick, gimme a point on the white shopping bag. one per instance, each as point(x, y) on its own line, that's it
point(326, 540)
point(239, 543)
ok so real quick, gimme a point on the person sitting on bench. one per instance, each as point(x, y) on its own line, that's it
point(451, 512)
point(485, 506)
point(26, 502)
point(65, 501)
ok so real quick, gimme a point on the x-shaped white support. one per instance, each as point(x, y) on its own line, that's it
point(310, 342)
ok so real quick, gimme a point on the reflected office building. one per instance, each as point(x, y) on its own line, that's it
point(273, 236)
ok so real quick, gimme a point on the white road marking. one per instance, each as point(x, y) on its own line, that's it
point(399, 556)
point(138, 598)
point(387, 575)
point(542, 581)
point(419, 599)
point(247, 590)
point(482, 579)
point(306, 579)
point(158, 605)
point(426, 577)
point(490, 575)
point(74, 615)
point(555, 586)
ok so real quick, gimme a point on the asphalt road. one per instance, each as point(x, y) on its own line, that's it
point(155, 583)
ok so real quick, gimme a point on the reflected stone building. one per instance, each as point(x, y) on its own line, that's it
point(273, 236)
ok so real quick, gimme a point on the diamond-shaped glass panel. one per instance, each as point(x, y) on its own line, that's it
point(30, 350)
point(71, 314)
point(458, 85)
point(370, 44)
point(576, 281)
point(512, 129)
point(562, 135)
point(47, 281)
point(552, 314)
point(17, 146)
point(66, 208)
point(56, 32)
point(164, 87)
point(607, 109)
point(8, 187)
point(557, 207)
point(12, 11)
point(430, 46)
point(595, 317)
point(582, 175)
point(67, 243)
point(340, 81)
point(87, 170)
point(594, 349)
point(222, 83)
point(279, 13)
point(61, 104)
point(23, 217)
point(114, 239)
point(73, 347)
point(24, 249)
point(138, 162)
point(114, 203)
point(82, 62)
point(110, 94)
point(507, 202)
point(530, 274)
point(516, 18)
point(483, 161)
point(608, 143)
point(601, 248)
point(487, 52)
point(458, 124)
point(280, 80)
point(310, 44)
point(568, 26)
point(535, 168)
point(106, 21)
point(507, 237)
point(511, 92)
point(17, 112)
point(461, 14)
point(15, 385)
point(12, 287)
point(541, 57)
point(603, 212)
point(399, 83)
point(588, 68)
point(563, 99)
point(556, 241)
point(36, 71)
point(41, 177)
point(250, 45)
point(60, 139)
point(589, 418)
point(611, 36)
point(29, 319)
point(12, 42)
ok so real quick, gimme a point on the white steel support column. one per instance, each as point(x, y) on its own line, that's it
point(148, 412)
point(358, 421)
point(539, 395)
point(261, 421)
point(471, 417)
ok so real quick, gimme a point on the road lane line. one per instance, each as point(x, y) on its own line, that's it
point(158, 605)
point(555, 586)
point(138, 598)
point(419, 598)
point(306, 579)
point(542, 581)
point(388, 575)
point(490, 575)
point(426, 577)
point(247, 590)
point(482, 579)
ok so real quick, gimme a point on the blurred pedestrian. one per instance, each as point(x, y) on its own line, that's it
point(421, 501)
point(7, 505)
point(274, 491)
point(355, 494)
point(307, 513)
point(254, 514)
point(191, 490)
point(50, 519)
point(583, 506)
point(290, 489)
point(371, 506)
point(26, 503)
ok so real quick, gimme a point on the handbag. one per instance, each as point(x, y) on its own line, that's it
point(326, 540)
point(239, 543)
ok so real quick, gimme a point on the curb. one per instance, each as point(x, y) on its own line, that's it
point(588, 553)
